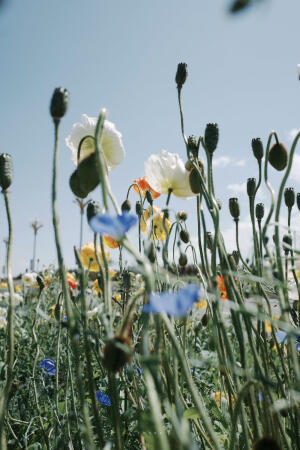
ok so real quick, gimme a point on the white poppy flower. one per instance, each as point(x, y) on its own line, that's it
point(3, 322)
point(167, 171)
point(17, 298)
point(111, 142)
point(29, 279)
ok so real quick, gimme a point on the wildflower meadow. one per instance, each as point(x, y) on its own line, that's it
point(154, 339)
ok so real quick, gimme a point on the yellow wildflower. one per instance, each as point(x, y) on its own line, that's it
point(88, 256)
point(110, 242)
point(3, 285)
point(201, 304)
point(153, 216)
point(118, 297)
point(18, 288)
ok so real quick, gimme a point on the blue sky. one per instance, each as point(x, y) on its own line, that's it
point(123, 55)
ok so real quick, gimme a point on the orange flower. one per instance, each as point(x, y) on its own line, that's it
point(144, 186)
point(110, 242)
point(222, 288)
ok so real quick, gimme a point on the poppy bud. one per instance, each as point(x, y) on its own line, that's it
point(204, 320)
point(278, 156)
point(126, 205)
point(6, 172)
point(236, 256)
point(195, 181)
point(287, 243)
point(289, 197)
point(184, 236)
point(88, 173)
point(234, 208)
point(257, 148)
point(266, 443)
point(209, 240)
point(75, 185)
point(211, 137)
point(193, 146)
point(149, 197)
point(116, 353)
point(181, 75)
point(239, 5)
point(260, 211)
point(59, 103)
point(138, 209)
point(40, 282)
point(182, 215)
point(93, 208)
point(182, 260)
point(251, 185)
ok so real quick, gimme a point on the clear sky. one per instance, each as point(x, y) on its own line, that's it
point(123, 55)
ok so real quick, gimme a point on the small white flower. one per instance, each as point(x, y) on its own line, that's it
point(17, 298)
point(111, 142)
point(29, 279)
point(167, 171)
point(3, 322)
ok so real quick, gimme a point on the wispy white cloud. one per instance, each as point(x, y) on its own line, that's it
point(295, 172)
point(292, 134)
point(236, 187)
point(224, 161)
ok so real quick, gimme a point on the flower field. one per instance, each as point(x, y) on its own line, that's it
point(181, 345)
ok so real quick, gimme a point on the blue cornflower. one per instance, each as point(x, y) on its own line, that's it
point(139, 371)
point(114, 226)
point(298, 347)
point(103, 398)
point(48, 366)
point(282, 336)
point(175, 304)
point(260, 396)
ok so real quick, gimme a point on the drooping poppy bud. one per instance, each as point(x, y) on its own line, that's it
point(234, 208)
point(116, 353)
point(182, 215)
point(75, 185)
point(184, 236)
point(59, 103)
point(181, 74)
point(182, 259)
point(138, 209)
point(211, 137)
point(195, 181)
point(93, 208)
point(149, 197)
point(126, 205)
point(6, 171)
point(257, 148)
point(289, 197)
point(278, 156)
point(88, 172)
point(287, 243)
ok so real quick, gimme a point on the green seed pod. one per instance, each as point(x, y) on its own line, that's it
point(182, 215)
point(40, 282)
point(287, 243)
point(209, 240)
point(182, 260)
point(138, 209)
point(298, 200)
point(251, 186)
point(234, 208)
point(195, 181)
point(259, 211)
point(93, 208)
point(88, 172)
point(257, 148)
point(149, 197)
point(278, 156)
point(289, 197)
point(126, 205)
point(75, 185)
point(211, 137)
point(181, 75)
point(193, 146)
point(59, 103)
point(184, 236)
point(6, 172)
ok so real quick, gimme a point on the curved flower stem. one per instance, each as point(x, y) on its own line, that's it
point(238, 245)
point(88, 353)
point(196, 396)
point(268, 184)
point(181, 119)
point(10, 326)
point(71, 320)
point(203, 263)
point(112, 383)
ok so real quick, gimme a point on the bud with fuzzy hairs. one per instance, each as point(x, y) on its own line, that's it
point(289, 197)
point(126, 205)
point(257, 148)
point(234, 208)
point(259, 211)
point(93, 208)
point(181, 75)
point(211, 137)
point(6, 172)
point(182, 215)
point(193, 146)
point(184, 236)
point(182, 259)
point(251, 186)
point(59, 103)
